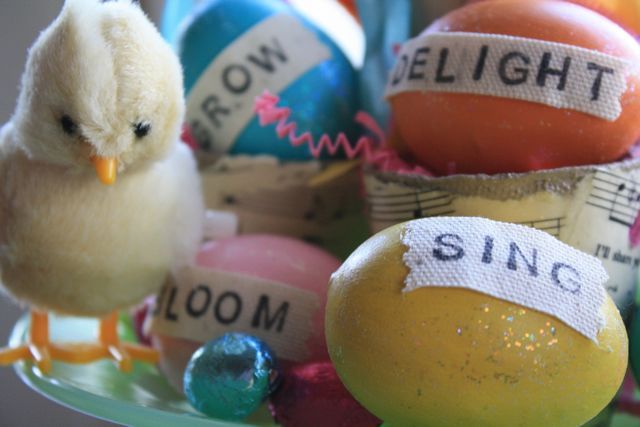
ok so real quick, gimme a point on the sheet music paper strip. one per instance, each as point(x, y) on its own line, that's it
point(590, 208)
point(269, 197)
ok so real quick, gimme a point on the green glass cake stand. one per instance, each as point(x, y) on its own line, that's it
point(142, 398)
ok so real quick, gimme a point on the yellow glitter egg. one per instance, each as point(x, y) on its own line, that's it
point(445, 357)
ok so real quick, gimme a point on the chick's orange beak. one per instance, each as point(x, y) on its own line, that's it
point(106, 168)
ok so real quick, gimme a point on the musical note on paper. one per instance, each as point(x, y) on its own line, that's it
point(617, 195)
point(582, 217)
point(404, 206)
point(300, 203)
point(550, 225)
point(269, 197)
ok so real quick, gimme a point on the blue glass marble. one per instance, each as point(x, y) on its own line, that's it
point(230, 377)
point(323, 100)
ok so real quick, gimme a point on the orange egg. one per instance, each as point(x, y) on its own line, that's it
point(626, 12)
point(467, 133)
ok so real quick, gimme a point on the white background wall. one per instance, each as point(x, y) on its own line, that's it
point(20, 23)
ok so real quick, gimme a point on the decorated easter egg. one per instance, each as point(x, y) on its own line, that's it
point(234, 50)
point(467, 321)
point(513, 86)
point(270, 287)
point(626, 12)
point(339, 21)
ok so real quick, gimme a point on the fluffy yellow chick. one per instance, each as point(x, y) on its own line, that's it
point(102, 92)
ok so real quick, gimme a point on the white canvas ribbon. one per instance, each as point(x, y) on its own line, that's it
point(271, 55)
point(554, 74)
point(511, 262)
point(201, 304)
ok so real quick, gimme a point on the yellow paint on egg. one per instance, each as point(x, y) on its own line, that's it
point(455, 357)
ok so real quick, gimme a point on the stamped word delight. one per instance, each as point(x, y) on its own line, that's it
point(554, 74)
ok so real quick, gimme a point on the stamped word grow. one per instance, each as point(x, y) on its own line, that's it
point(271, 55)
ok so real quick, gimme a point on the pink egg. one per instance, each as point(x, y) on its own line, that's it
point(264, 265)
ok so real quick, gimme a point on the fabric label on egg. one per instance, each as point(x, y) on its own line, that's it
point(554, 74)
point(511, 262)
point(270, 56)
point(592, 208)
point(202, 304)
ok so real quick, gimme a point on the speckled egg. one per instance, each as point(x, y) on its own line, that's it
point(446, 357)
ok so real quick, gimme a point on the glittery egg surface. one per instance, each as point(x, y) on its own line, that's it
point(230, 377)
point(323, 98)
point(454, 357)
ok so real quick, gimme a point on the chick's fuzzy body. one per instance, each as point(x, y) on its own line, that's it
point(70, 244)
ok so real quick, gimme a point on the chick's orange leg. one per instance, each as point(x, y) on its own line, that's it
point(40, 350)
point(39, 340)
point(9, 356)
point(43, 351)
point(123, 353)
point(37, 349)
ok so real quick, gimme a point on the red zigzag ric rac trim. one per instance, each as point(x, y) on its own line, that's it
point(266, 107)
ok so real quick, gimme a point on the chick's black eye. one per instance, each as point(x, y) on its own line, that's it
point(141, 129)
point(68, 125)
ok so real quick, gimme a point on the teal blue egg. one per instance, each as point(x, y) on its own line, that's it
point(222, 79)
point(230, 377)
